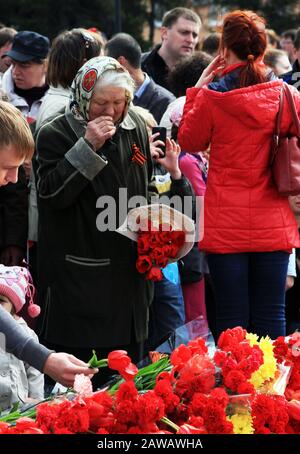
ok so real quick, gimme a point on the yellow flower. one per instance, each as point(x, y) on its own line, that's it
point(242, 424)
point(252, 338)
point(268, 369)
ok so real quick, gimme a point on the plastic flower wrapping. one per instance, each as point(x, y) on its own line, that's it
point(243, 385)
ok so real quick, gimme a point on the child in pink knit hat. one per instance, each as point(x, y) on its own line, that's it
point(16, 284)
point(19, 382)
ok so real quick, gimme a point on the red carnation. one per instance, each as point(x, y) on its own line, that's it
point(149, 408)
point(233, 379)
point(180, 356)
point(127, 391)
point(197, 346)
point(235, 335)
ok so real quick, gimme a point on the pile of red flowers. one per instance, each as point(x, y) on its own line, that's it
point(237, 360)
point(287, 350)
point(185, 395)
point(156, 247)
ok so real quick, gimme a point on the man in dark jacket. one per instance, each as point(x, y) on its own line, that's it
point(148, 94)
point(179, 33)
point(14, 221)
point(16, 146)
point(293, 77)
point(13, 217)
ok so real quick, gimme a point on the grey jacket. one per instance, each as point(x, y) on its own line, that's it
point(18, 380)
point(14, 340)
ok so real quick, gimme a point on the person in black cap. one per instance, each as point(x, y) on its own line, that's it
point(24, 82)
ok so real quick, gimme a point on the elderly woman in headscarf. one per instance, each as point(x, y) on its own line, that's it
point(91, 294)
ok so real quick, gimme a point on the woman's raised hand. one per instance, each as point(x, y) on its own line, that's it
point(217, 65)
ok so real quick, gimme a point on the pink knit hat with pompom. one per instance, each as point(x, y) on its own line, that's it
point(16, 284)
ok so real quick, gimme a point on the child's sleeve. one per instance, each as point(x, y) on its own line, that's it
point(35, 378)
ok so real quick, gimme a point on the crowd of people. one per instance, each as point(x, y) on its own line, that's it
point(76, 120)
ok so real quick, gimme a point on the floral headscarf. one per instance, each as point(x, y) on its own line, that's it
point(84, 83)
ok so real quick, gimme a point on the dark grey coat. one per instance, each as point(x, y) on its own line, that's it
point(90, 292)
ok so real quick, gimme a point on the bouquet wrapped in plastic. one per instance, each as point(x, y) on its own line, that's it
point(163, 234)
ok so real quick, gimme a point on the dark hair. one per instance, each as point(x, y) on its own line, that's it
point(172, 16)
point(126, 46)
point(291, 33)
point(297, 40)
point(211, 43)
point(7, 35)
point(69, 51)
point(243, 33)
point(186, 73)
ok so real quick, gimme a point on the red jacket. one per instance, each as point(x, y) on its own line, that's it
point(243, 210)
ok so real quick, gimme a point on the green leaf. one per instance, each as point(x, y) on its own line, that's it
point(94, 360)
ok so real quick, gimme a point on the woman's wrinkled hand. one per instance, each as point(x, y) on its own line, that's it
point(98, 131)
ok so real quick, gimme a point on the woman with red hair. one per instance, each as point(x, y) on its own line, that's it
point(249, 229)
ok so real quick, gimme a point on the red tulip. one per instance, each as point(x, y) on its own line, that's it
point(129, 372)
point(143, 263)
point(118, 359)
